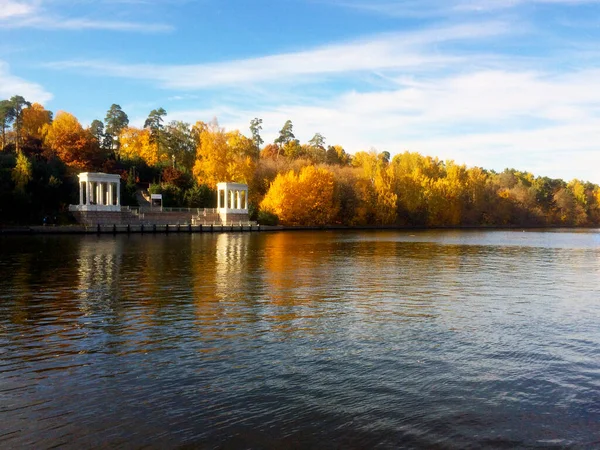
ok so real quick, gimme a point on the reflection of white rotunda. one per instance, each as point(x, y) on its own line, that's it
point(99, 266)
point(229, 261)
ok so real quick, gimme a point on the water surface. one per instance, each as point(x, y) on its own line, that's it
point(301, 339)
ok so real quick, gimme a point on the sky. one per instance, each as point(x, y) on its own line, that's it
point(490, 83)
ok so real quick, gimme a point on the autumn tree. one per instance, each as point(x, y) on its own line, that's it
point(303, 199)
point(22, 172)
point(70, 142)
point(136, 144)
point(445, 195)
point(412, 174)
point(223, 156)
point(34, 119)
point(347, 183)
point(292, 149)
point(269, 151)
point(478, 198)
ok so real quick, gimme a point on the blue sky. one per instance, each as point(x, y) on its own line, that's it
point(491, 83)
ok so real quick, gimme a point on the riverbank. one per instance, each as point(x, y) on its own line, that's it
point(166, 229)
point(127, 229)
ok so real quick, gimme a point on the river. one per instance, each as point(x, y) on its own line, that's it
point(385, 339)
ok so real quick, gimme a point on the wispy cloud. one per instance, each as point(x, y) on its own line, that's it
point(12, 85)
point(41, 14)
point(385, 52)
point(444, 8)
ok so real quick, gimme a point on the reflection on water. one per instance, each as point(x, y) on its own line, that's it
point(319, 339)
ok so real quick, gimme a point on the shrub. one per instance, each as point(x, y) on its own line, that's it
point(267, 218)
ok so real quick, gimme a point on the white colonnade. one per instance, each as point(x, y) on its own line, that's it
point(232, 202)
point(232, 197)
point(99, 192)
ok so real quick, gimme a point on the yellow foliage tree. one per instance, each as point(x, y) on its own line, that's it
point(386, 211)
point(22, 172)
point(375, 189)
point(136, 143)
point(223, 156)
point(303, 199)
point(413, 174)
point(446, 196)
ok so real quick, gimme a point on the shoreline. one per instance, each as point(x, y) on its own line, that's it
point(179, 229)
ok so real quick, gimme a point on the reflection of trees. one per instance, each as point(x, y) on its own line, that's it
point(37, 304)
point(226, 282)
point(37, 278)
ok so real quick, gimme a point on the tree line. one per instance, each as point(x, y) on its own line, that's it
point(290, 182)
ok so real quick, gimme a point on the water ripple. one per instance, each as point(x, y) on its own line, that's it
point(360, 340)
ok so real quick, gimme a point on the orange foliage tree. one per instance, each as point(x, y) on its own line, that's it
point(303, 199)
point(73, 144)
point(34, 119)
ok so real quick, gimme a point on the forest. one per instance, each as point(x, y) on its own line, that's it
point(290, 183)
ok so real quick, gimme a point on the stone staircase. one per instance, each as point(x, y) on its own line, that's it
point(124, 217)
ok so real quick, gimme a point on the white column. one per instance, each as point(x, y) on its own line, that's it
point(110, 194)
point(80, 192)
point(118, 194)
point(246, 199)
point(87, 193)
point(238, 200)
point(226, 198)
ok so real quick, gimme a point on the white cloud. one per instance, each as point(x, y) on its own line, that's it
point(40, 14)
point(11, 9)
point(12, 85)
